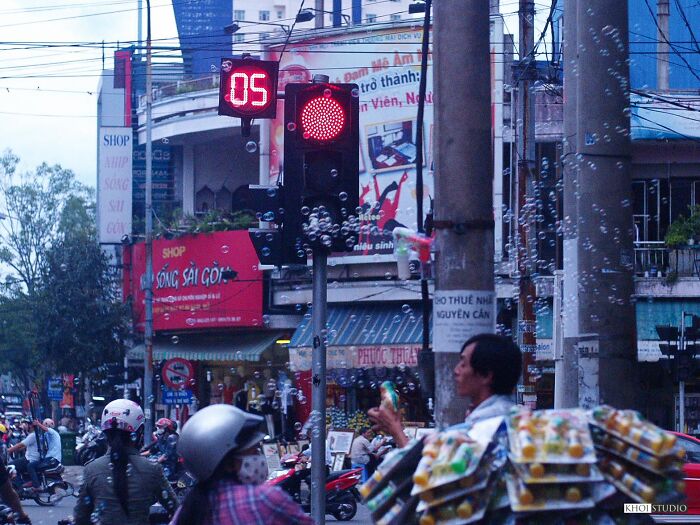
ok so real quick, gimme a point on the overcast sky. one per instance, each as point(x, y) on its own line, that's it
point(47, 95)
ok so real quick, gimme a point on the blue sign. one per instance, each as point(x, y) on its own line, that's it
point(55, 388)
point(177, 397)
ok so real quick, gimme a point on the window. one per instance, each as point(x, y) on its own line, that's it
point(371, 19)
point(280, 14)
point(395, 18)
point(264, 16)
point(239, 14)
point(238, 38)
point(692, 449)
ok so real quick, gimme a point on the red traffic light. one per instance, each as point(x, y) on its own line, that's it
point(248, 88)
point(322, 118)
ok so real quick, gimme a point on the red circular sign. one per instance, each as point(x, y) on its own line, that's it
point(323, 118)
point(177, 373)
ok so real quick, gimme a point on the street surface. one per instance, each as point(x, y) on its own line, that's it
point(51, 515)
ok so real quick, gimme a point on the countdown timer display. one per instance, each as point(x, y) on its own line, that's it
point(248, 88)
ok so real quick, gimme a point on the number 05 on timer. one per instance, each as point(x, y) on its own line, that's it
point(248, 88)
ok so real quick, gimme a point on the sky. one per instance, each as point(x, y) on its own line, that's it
point(48, 98)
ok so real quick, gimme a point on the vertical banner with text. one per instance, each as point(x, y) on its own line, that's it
point(114, 158)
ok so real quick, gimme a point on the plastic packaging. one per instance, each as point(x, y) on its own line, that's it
point(390, 399)
point(547, 497)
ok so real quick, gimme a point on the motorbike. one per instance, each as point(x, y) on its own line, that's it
point(342, 495)
point(52, 489)
point(91, 445)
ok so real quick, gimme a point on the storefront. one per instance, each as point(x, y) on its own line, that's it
point(367, 345)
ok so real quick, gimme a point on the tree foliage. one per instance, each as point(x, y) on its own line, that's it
point(61, 310)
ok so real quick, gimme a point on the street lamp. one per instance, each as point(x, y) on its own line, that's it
point(308, 14)
point(234, 26)
point(416, 7)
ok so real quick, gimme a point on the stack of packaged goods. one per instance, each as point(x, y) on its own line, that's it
point(534, 467)
point(553, 462)
point(641, 460)
point(387, 493)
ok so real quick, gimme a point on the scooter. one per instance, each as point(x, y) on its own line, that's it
point(52, 489)
point(342, 496)
point(91, 445)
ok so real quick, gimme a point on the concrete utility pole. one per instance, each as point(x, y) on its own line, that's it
point(318, 19)
point(526, 236)
point(662, 47)
point(463, 176)
point(607, 349)
point(566, 360)
point(148, 280)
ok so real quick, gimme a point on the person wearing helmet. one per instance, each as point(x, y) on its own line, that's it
point(164, 447)
point(220, 446)
point(120, 487)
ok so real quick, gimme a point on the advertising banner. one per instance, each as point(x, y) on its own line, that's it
point(200, 281)
point(665, 117)
point(385, 64)
point(114, 156)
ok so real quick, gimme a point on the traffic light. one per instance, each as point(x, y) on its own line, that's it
point(321, 167)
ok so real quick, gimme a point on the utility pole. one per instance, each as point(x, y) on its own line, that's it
point(463, 180)
point(526, 234)
point(662, 47)
point(148, 280)
point(318, 19)
point(607, 349)
point(566, 368)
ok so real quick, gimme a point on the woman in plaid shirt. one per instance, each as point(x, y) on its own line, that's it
point(220, 446)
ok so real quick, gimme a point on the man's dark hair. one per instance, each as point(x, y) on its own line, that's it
point(499, 355)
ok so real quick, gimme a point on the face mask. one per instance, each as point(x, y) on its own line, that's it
point(253, 470)
point(160, 431)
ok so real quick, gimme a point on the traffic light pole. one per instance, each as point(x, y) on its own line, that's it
point(148, 279)
point(681, 384)
point(318, 389)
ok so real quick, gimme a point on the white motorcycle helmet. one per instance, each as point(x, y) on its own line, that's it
point(122, 414)
point(214, 431)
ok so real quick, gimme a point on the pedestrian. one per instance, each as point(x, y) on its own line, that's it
point(120, 487)
point(361, 451)
point(221, 448)
point(486, 373)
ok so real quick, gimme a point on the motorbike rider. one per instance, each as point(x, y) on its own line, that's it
point(164, 448)
point(120, 487)
point(8, 495)
point(220, 445)
point(37, 458)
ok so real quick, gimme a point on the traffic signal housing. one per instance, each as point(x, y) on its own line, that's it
point(248, 88)
point(321, 166)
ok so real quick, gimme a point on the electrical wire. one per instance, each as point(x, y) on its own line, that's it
point(665, 38)
point(681, 11)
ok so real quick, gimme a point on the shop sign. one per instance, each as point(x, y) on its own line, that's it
point(114, 157)
point(199, 281)
point(460, 314)
point(177, 372)
point(387, 356)
point(373, 356)
point(177, 397)
point(55, 388)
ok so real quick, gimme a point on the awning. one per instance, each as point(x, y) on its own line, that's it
point(245, 347)
point(366, 336)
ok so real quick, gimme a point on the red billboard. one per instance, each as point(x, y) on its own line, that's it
point(199, 281)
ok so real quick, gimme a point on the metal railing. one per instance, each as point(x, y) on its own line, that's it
point(654, 257)
point(208, 83)
point(650, 257)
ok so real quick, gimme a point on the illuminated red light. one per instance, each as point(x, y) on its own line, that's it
point(322, 119)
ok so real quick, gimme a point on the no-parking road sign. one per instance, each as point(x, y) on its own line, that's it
point(177, 373)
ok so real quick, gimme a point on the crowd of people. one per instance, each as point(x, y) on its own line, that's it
point(221, 447)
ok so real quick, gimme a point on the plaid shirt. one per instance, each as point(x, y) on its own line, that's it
point(235, 504)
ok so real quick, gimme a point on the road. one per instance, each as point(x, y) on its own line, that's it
point(51, 515)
